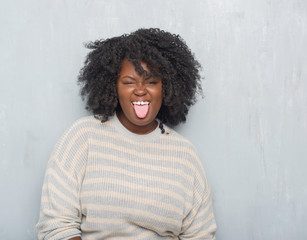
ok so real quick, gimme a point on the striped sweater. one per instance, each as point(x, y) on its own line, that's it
point(105, 182)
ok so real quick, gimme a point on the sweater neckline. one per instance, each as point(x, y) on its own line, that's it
point(149, 137)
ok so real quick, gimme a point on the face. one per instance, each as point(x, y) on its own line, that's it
point(140, 98)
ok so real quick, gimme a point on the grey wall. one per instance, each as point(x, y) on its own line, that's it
point(250, 129)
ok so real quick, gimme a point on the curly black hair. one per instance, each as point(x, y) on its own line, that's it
point(166, 55)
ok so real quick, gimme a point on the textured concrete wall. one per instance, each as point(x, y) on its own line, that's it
point(250, 129)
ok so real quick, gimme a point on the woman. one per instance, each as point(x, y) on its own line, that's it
point(122, 173)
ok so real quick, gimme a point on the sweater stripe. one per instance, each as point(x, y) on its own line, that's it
point(125, 172)
point(129, 185)
point(143, 165)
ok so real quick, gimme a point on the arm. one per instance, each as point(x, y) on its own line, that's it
point(60, 215)
point(199, 223)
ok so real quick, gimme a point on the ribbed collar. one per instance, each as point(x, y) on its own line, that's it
point(150, 137)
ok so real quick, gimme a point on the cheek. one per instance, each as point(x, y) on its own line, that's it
point(123, 98)
point(121, 93)
point(120, 97)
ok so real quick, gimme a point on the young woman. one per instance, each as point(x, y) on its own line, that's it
point(123, 173)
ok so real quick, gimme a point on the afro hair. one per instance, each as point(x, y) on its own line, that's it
point(166, 55)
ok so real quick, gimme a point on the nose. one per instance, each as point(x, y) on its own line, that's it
point(140, 89)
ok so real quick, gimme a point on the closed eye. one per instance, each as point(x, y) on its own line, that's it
point(153, 82)
point(126, 80)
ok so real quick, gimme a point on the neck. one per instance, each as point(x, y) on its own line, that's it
point(137, 129)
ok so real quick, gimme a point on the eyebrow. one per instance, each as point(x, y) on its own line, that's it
point(132, 78)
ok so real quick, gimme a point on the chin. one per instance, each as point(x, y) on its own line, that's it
point(144, 121)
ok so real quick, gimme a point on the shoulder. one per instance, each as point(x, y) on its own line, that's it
point(85, 122)
point(86, 125)
point(176, 138)
point(183, 145)
point(80, 131)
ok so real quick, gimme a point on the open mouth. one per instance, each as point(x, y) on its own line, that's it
point(141, 108)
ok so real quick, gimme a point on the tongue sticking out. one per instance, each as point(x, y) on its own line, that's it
point(141, 110)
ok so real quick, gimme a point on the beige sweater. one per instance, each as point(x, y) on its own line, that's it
point(104, 182)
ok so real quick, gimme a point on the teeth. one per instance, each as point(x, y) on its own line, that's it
point(140, 103)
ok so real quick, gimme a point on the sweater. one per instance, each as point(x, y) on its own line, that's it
point(105, 182)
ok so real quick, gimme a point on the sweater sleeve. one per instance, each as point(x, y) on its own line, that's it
point(200, 222)
point(60, 214)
